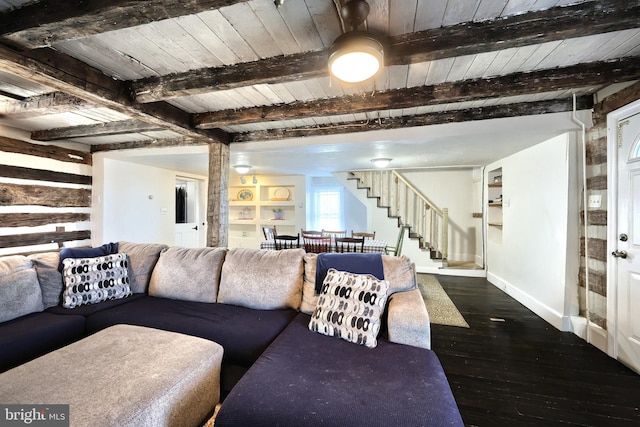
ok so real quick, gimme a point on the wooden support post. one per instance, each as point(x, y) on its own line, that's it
point(218, 195)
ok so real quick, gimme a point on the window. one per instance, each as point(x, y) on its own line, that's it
point(327, 205)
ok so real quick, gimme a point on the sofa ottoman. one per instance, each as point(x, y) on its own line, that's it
point(124, 376)
point(243, 332)
point(308, 379)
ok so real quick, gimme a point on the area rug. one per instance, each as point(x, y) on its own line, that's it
point(442, 311)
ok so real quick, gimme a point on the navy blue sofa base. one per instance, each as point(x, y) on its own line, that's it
point(307, 379)
point(244, 333)
point(36, 334)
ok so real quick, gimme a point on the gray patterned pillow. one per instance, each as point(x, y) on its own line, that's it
point(92, 280)
point(350, 306)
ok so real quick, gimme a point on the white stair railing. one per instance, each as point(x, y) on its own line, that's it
point(413, 209)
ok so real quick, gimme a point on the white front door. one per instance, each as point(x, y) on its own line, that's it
point(625, 252)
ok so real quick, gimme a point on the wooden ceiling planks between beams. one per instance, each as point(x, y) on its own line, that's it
point(46, 22)
point(464, 115)
point(553, 24)
point(66, 74)
point(120, 127)
point(582, 75)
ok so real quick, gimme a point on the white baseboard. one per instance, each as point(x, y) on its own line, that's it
point(452, 271)
point(599, 337)
point(479, 260)
point(552, 316)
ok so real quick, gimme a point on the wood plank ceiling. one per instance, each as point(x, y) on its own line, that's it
point(119, 74)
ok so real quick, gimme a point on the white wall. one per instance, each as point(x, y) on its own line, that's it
point(355, 213)
point(537, 259)
point(452, 189)
point(133, 202)
point(478, 184)
point(447, 188)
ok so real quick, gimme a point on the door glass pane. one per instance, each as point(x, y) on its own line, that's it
point(635, 151)
point(635, 207)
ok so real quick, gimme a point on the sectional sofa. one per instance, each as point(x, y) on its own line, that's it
point(258, 305)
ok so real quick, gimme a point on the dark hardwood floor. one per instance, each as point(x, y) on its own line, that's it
point(523, 371)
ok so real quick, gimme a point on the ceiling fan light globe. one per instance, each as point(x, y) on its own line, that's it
point(355, 57)
point(354, 67)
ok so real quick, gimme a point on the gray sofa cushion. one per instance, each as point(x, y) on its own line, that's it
point(142, 259)
point(262, 279)
point(50, 278)
point(20, 292)
point(188, 274)
point(309, 297)
point(400, 272)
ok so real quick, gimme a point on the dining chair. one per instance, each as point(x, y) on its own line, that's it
point(316, 244)
point(269, 232)
point(397, 249)
point(284, 241)
point(349, 244)
point(310, 233)
point(334, 234)
point(364, 234)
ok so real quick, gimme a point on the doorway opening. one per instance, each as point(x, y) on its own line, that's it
point(188, 212)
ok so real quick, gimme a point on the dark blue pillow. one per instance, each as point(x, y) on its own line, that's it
point(106, 249)
point(357, 263)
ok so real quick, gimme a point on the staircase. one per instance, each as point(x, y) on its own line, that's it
point(426, 222)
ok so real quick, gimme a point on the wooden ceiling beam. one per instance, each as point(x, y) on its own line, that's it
point(582, 75)
point(66, 74)
point(155, 143)
point(120, 127)
point(558, 23)
point(553, 24)
point(40, 105)
point(47, 22)
point(464, 115)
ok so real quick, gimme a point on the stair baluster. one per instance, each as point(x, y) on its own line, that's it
point(425, 221)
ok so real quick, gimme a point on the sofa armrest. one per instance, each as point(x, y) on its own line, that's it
point(408, 319)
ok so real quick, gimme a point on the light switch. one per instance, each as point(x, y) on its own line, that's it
point(164, 211)
point(595, 201)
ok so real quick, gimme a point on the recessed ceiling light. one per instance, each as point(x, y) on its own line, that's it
point(381, 162)
point(242, 169)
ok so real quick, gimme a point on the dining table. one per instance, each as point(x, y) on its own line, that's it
point(370, 246)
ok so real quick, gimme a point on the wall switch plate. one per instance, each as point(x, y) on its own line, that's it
point(164, 211)
point(595, 201)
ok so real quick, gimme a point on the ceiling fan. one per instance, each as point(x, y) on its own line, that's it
point(356, 55)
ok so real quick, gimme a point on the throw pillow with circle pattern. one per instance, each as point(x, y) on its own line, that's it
point(350, 307)
point(92, 280)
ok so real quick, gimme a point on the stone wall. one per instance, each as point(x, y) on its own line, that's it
point(596, 259)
